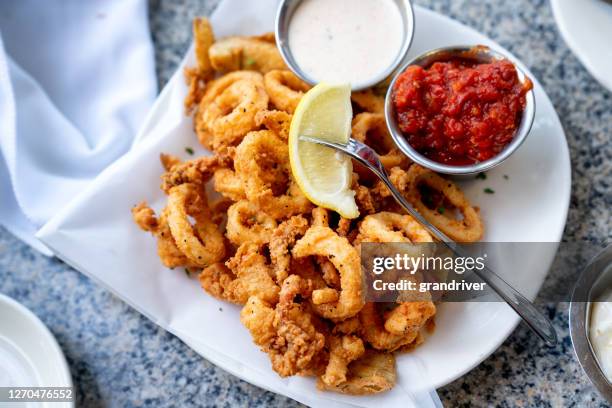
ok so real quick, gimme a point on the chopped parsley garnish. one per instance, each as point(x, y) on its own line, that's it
point(489, 190)
point(441, 210)
point(189, 150)
point(481, 176)
point(506, 176)
point(249, 62)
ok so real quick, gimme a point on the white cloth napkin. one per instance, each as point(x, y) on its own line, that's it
point(76, 80)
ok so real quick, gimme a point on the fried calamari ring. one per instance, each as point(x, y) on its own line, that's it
point(218, 87)
point(391, 227)
point(282, 240)
point(202, 243)
point(322, 241)
point(371, 129)
point(368, 101)
point(247, 224)
point(468, 229)
point(275, 120)
point(252, 53)
point(285, 89)
point(262, 162)
point(373, 373)
point(232, 114)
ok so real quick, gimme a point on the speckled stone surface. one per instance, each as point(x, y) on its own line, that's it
point(119, 358)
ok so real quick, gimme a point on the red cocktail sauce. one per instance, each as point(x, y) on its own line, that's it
point(460, 112)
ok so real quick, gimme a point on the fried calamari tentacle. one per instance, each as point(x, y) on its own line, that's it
point(322, 241)
point(253, 276)
point(262, 162)
point(392, 227)
point(167, 250)
point(371, 129)
point(467, 229)
point(144, 217)
point(285, 89)
point(202, 243)
point(197, 171)
point(275, 120)
point(282, 240)
point(320, 217)
point(252, 53)
point(288, 333)
point(214, 89)
point(342, 351)
point(247, 224)
point(373, 373)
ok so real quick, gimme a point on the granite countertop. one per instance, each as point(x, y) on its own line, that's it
point(119, 358)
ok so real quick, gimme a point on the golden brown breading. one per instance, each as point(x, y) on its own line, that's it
point(252, 53)
point(342, 351)
point(253, 276)
point(373, 373)
point(282, 241)
point(288, 332)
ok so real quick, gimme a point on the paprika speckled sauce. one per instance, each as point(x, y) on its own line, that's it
point(460, 112)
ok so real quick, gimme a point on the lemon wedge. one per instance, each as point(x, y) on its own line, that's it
point(323, 174)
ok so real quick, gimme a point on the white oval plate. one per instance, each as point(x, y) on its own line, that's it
point(30, 352)
point(97, 236)
point(586, 27)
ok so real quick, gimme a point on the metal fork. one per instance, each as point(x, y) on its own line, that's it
point(536, 321)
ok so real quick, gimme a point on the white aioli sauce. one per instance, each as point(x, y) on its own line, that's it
point(345, 40)
point(600, 332)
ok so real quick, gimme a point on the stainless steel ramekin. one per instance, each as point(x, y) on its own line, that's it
point(478, 53)
point(595, 278)
point(284, 13)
